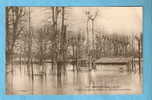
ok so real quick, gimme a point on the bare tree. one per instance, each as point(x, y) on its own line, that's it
point(15, 26)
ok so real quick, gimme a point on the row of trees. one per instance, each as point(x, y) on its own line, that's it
point(54, 43)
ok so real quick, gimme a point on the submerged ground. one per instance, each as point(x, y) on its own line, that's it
point(103, 80)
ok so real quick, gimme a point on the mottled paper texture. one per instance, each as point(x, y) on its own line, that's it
point(74, 50)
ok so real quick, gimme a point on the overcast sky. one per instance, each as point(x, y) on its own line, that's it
point(124, 20)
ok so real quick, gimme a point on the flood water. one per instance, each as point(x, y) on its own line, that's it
point(100, 81)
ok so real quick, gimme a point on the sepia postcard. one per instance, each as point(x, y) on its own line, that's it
point(74, 50)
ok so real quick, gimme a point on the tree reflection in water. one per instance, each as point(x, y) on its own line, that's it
point(69, 82)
